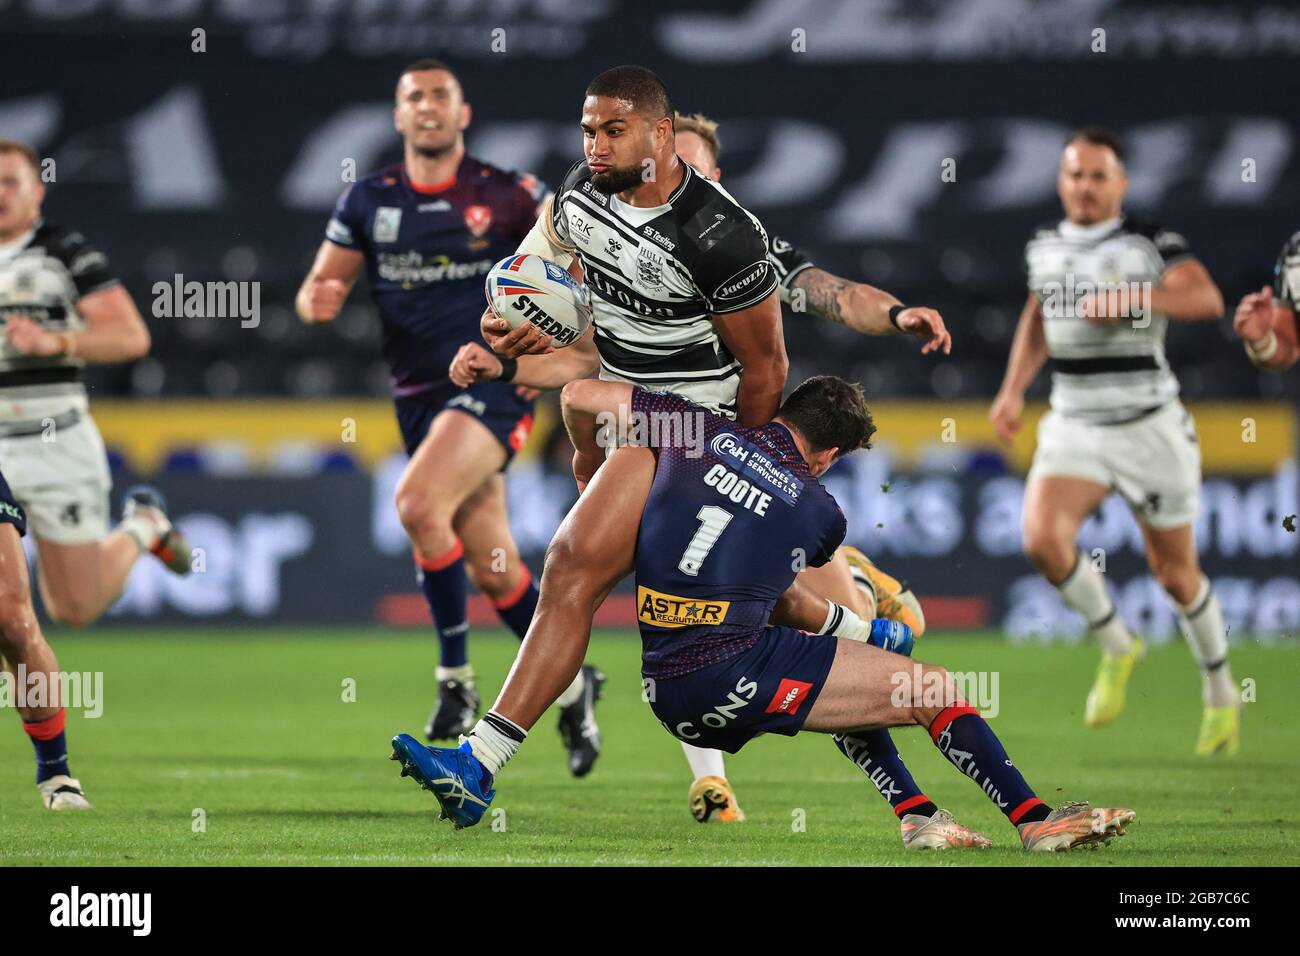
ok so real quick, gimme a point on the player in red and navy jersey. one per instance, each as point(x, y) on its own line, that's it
point(28, 663)
point(1267, 320)
point(724, 516)
point(426, 231)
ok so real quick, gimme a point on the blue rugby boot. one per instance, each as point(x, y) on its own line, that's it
point(892, 636)
point(461, 784)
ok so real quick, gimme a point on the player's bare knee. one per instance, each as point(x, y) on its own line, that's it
point(494, 575)
point(19, 632)
point(419, 512)
point(1180, 582)
point(1051, 552)
point(72, 611)
point(570, 573)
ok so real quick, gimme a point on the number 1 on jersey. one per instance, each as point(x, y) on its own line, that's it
point(712, 522)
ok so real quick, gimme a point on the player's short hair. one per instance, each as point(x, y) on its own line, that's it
point(830, 413)
point(427, 63)
point(703, 127)
point(639, 86)
point(1098, 136)
point(23, 150)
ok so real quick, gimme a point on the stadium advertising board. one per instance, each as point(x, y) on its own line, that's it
point(327, 549)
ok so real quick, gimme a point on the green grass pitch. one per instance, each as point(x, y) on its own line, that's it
point(252, 729)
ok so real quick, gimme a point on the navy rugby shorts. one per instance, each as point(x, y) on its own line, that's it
point(768, 689)
point(496, 404)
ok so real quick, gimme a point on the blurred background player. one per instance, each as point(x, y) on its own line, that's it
point(64, 308)
point(427, 230)
point(712, 676)
point(862, 307)
point(1266, 320)
point(1115, 420)
point(23, 652)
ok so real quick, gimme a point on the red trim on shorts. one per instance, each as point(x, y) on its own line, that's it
point(1015, 815)
point(519, 434)
point(909, 803)
point(47, 729)
point(515, 596)
point(947, 716)
point(442, 561)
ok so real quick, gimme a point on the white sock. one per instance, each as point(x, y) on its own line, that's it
point(1085, 591)
point(464, 673)
point(143, 531)
point(704, 763)
point(572, 692)
point(1202, 622)
point(494, 740)
point(865, 588)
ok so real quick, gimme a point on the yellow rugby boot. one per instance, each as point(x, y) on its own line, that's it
point(892, 600)
point(1220, 731)
point(712, 799)
point(1109, 690)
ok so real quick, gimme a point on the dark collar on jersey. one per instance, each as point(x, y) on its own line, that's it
point(783, 440)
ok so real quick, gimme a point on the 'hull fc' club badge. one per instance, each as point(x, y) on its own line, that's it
point(478, 219)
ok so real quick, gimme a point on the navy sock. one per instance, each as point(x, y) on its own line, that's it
point(875, 755)
point(446, 588)
point(517, 609)
point(964, 738)
point(51, 743)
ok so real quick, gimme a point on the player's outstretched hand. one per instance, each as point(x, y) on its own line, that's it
point(29, 338)
point(1005, 415)
point(512, 343)
point(325, 300)
point(1254, 315)
point(926, 324)
point(473, 363)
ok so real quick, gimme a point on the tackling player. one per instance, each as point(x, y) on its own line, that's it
point(427, 230)
point(64, 308)
point(850, 578)
point(715, 533)
point(24, 654)
point(1102, 289)
point(1266, 320)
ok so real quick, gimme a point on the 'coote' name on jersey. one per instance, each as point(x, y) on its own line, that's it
point(730, 485)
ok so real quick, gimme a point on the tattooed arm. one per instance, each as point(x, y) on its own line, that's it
point(865, 308)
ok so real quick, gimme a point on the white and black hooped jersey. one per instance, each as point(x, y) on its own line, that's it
point(1286, 275)
point(657, 275)
point(1103, 373)
point(42, 275)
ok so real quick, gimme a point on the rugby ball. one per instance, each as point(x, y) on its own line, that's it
point(529, 288)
